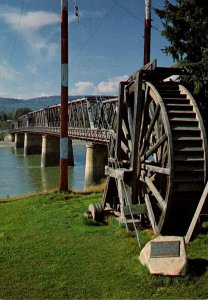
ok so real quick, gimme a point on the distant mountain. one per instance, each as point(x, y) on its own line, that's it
point(10, 105)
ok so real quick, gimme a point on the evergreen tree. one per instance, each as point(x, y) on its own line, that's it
point(185, 26)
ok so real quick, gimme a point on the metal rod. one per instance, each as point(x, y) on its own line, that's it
point(147, 32)
point(64, 98)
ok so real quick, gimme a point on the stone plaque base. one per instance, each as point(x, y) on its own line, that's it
point(165, 255)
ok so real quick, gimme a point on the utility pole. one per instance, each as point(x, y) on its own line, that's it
point(147, 32)
point(64, 98)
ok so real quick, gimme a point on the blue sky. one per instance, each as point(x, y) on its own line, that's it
point(104, 48)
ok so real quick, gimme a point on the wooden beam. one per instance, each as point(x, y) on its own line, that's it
point(136, 209)
point(197, 214)
point(155, 169)
point(119, 120)
point(137, 118)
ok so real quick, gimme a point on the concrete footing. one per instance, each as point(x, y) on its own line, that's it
point(96, 160)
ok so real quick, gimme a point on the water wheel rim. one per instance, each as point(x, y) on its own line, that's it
point(151, 92)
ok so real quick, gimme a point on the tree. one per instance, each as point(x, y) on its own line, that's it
point(3, 116)
point(20, 112)
point(186, 28)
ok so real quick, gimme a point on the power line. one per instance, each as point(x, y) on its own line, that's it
point(133, 15)
point(97, 28)
point(116, 2)
point(15, 39)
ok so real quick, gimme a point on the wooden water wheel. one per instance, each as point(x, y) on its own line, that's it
point(159, 153)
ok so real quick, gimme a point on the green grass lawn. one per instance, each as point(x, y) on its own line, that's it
point(47, 250)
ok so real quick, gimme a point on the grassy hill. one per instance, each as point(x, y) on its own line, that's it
point(48, 250)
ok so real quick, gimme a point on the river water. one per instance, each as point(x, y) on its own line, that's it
point(21, 174)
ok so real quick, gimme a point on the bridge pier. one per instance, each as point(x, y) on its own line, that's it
point(96, 160)
point(19, 140)
point(32, 144)
point(50, 155)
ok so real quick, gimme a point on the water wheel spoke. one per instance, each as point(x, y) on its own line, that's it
point(125, 148)
point(151, 214)
point(156, 193)
point(150, 128)
point(155, 147)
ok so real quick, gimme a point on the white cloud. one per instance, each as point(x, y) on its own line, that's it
point(29, 29)
point(109, 87)
point(33, 20)
point(7, 72)
point(83, 87)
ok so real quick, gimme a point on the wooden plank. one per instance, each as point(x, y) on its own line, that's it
point(116, 173)
point(151, 214)
point(155, 169)
point(136, 209)
point(201, 203)
point(137, 118)
point(123, 195)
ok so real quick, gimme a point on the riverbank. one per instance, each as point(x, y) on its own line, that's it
point(49, 251)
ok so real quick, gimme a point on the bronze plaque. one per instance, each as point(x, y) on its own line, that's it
point(165, 249)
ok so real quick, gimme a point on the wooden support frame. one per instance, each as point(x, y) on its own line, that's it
point(196, 216)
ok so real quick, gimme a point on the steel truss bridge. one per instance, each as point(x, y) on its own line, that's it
point(91, 118)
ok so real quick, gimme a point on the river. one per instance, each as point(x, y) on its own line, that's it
point(21, 174)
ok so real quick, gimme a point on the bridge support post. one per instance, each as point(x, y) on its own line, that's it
point(19, 140)
point(96, 160)
point(32, 144)
point(50, 155)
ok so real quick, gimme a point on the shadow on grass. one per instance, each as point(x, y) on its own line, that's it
point(204, 230)
point(197, 266)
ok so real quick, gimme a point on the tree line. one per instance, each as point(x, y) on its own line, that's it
point(13, 116)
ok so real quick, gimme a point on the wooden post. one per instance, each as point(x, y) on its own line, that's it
point(197, 214)
point(136, 132)
point(64, 98)
point(147, 32)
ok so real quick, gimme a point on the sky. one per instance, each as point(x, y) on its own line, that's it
point(104, 48)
